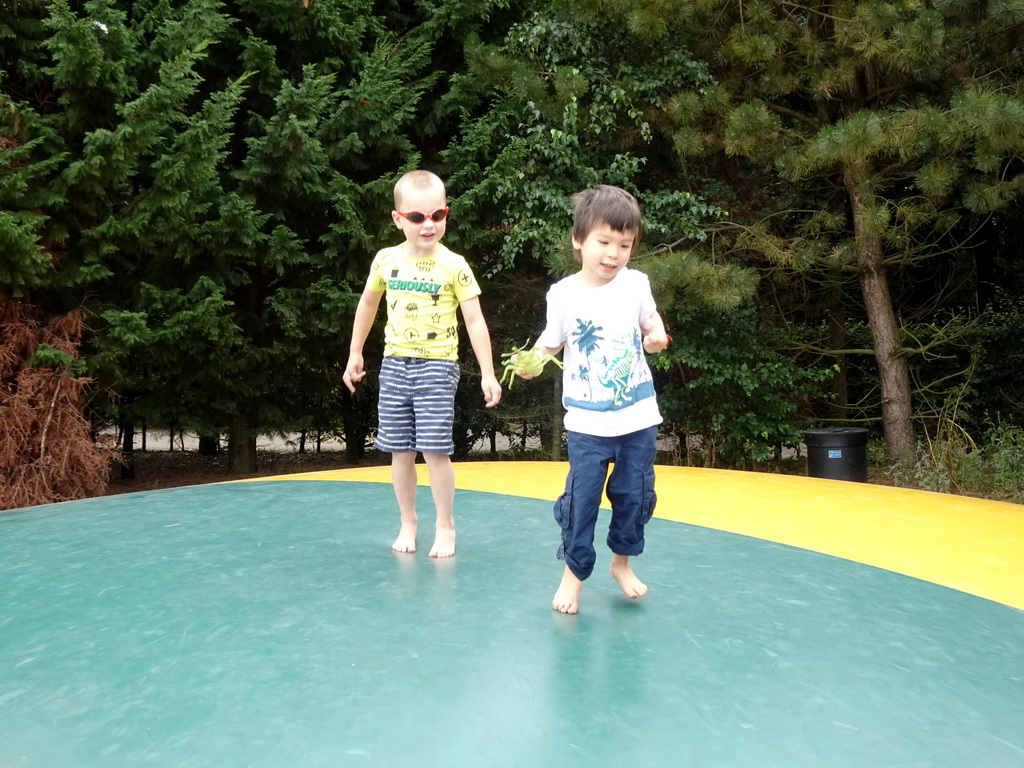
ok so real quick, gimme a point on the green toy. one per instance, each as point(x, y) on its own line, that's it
point(530, 361)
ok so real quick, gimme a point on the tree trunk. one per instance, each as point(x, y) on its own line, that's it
point(209, 445)
point(556, 420)
point(355, 428)
point(837, 340)
point(127, 451)
point(242, 444)
point(894, 376)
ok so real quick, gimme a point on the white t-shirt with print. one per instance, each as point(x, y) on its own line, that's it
point(607, 387)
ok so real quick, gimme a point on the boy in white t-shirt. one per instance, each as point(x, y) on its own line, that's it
point(604, 317)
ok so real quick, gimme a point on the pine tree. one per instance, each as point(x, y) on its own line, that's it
point(876, 125)
point(211, 180)
point(26, 253)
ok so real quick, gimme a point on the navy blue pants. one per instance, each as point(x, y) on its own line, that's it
point(630, 491)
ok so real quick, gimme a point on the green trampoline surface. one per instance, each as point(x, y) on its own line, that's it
point(269, 624)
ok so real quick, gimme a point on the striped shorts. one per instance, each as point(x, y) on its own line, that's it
point(416, 406)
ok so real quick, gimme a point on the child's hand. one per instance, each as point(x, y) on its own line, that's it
point(354, 372)
point(524, 375)
point(492, 390)
point(656, 342)
point(511, 364)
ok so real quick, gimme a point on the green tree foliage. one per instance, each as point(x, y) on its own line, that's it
point(211, 181)
point(729, 396)
point(567, 104)
point(875, 125)
point(22, 197)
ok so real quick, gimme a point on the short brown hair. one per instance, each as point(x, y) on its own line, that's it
point(604, 204)
point(417, 180)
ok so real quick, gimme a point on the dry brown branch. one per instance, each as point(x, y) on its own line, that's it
point(46, 451)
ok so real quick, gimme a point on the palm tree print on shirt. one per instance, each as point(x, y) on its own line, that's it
point(586, 340)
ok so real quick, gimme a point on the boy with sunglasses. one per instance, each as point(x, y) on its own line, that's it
point(605, 318)
point(425, 283)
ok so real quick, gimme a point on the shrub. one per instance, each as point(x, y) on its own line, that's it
point(47, 453)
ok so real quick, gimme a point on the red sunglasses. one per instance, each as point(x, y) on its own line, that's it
point(418, 217)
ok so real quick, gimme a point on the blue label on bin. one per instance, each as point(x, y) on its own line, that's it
point(835, 454)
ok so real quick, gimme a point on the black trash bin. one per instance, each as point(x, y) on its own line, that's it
point(837, 453)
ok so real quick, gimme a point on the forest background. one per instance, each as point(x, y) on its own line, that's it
point(192, 192)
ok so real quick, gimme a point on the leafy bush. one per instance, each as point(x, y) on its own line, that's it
point(997, 388)
point(727, 392)
point(956, 464)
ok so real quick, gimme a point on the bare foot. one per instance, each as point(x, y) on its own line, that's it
point(444, 543)
point(406, 541)
point(623, 573)
point(567, 597)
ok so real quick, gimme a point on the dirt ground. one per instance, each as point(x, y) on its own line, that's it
point(162, 468)
point(171, 469)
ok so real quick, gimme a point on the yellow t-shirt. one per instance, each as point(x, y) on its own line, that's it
point(422, 295)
